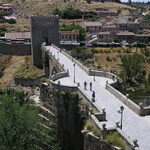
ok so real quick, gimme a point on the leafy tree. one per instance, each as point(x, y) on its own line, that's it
point(133, 68)
point(20, 126)
point(146, 18)
point(71, 13)
point(2, 16)
point(11, 21)
point(56, 11)
point(82, 53)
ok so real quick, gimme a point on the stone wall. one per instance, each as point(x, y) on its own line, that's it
point(92, 142)
point(15, 49)
point(43, 29)
point(123, 99)
point(130, 145)
point(103, 74)
point(61, 87)
point(68, 116)
point(60, 75)
point(28, 82)
point(142, 111)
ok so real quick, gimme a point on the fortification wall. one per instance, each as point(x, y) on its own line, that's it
point(15, 49)
point(28, 82)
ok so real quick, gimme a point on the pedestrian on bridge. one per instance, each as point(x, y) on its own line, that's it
point(90, 86)
point(85, 84)
point(93, 96)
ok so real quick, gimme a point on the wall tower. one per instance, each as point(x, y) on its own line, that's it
point(43, 29)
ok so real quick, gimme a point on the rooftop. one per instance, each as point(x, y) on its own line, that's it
point(125, 33)
point(70, 32)
point(104, 33)
point(91, 23)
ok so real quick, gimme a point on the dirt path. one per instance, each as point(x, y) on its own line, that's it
point(15, 63)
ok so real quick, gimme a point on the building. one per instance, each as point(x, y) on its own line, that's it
point(125, 36)
point(69, 35)
point(122, 26)
point(6, 9)
point(43, 29)
point(133, 26)
point(18, 36)
point(104, 37)
point(107, 13)
point(143, 38)
point(92, 27)
point(110, 28)
point(145, 25)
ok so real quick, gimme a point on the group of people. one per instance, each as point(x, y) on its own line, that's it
point(93, 92)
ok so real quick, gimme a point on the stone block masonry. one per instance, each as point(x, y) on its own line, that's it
point(15, 49)
point(43, 29)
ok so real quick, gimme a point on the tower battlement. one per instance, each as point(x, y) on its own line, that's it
point(43, 29)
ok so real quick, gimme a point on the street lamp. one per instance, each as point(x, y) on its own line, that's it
point(121, 112)
point(94, 73)
point(74, 72)
point(94, 69)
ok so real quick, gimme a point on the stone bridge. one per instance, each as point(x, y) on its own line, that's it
point(68, 74)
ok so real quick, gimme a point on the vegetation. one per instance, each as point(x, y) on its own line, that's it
point(20, 126)
point(68, 13)
point(89, 126)
point(115, 139)
point(133, 70)
point(11, 21)
point(27, 70)
point(74, 27)
point(71, 13)
point(2, 16)
point(82, 53)
point(2, 30)
point(147, 18)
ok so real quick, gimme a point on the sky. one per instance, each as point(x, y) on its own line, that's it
point(136, 0)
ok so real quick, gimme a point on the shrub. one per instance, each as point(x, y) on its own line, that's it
point(2, 33)
point(56, 11)
point(115, 139)
point(109, 58)
point(1, 72)
point(90, 127)
point(12, 21)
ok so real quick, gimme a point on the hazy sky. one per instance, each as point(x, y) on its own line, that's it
point(136, 0)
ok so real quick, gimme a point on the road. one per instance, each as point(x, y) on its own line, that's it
point(134, 126)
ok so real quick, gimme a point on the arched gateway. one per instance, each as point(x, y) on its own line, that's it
point(43, 29)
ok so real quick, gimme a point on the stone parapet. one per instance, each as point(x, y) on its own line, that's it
point(142, 111)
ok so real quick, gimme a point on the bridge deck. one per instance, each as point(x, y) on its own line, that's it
point(136, 127)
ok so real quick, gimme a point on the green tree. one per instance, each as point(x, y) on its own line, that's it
point(56, 11)
point(71, 13)
point(11, 21)
point(133, 68)
point(20, 125)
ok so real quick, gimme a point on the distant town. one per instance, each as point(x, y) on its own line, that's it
point(74, 75)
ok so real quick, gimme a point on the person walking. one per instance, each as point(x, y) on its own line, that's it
point(90, 86)
point(85, 84)
point(93, 96)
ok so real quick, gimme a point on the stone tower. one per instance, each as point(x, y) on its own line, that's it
point(43, 29)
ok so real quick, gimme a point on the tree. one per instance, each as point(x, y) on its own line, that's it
point(11, 21)
point(56, 11)
point(20, 126)
point(71, 13)
point(133, 68)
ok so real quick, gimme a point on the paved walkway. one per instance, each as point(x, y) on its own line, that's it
point(134, 126)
